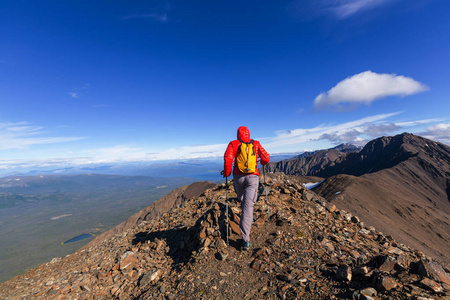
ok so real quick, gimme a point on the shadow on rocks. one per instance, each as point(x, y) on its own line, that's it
point(178, 243)
point(185, 244)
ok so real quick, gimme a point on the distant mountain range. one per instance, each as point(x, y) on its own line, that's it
point(312, 163)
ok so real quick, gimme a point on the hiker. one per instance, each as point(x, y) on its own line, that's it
point(246, 176)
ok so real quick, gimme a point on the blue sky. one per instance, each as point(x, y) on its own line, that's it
point(119, 81)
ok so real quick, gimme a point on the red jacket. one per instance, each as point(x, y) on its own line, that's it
point(230, 154)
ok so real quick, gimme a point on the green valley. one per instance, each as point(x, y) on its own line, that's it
point(39, 213)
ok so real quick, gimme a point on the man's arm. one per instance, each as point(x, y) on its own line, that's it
point(262, 153)
point(228, 160)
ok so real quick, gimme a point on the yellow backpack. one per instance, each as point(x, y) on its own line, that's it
point(246, 157)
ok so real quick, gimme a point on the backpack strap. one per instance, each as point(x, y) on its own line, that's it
point(251, 141)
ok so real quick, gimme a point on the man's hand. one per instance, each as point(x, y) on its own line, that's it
point(223, 173)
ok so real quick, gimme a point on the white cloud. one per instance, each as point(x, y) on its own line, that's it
point(101, 106)
point(340, 9)
point(346, 8)
point(358, 132)
point(153, 10)
point(439, 132)
point(78, 91)
point(349, 136)
point(159, 17)
point(117, 154)
point(421, 122)
point(198, 151)
point(22, 135)
point(74, 95)
point(376, 130)
point(366, 87)
point(292, 139)
point(440, 129)
point(123, 153)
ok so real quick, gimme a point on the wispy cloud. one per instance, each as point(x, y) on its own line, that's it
point(73, 95)
point(351, 132)
point(77, 92)
point(439, 132)
point(346, 8)
point(159, 17)
point(338, 9)
point(157, 11)
point(28, 164)
point(115, 154)
point(198, 151)
point(101, 106)
point(358, 132)
point(22, 135)
point(366, 87)
point(423, 122)
point(124, 153)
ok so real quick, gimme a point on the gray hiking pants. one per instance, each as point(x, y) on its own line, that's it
point(246, 187)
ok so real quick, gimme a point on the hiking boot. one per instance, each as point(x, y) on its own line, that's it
point(245, 245)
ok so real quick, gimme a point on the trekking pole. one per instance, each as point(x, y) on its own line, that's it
point(265, 190)
point(226, 200)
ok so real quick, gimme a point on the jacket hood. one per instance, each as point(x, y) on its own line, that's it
point(243, 134)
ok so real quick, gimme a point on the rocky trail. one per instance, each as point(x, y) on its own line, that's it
point(302, 248)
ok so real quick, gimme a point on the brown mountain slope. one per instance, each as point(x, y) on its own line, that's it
point(393, 207)
point(405, 193)
point(302, 248)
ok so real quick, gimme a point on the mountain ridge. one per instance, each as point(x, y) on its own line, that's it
point(386, 152)
point(313, 162)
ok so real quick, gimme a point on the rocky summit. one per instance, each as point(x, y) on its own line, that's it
point(302, 247)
